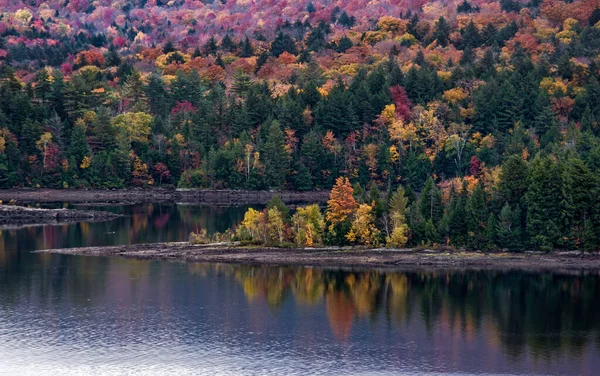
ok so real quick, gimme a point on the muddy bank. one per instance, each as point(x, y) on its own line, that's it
point(18, 215)
point(206, 196)
point(335, 257)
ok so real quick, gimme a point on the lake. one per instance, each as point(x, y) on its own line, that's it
point(63, 315)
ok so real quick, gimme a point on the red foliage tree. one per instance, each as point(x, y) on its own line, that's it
point(401, 101)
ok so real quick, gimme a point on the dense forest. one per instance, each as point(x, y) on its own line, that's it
point(468, 122)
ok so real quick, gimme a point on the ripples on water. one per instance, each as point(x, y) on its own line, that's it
point(70, 315)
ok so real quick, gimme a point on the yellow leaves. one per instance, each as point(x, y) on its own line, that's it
point(85, 163)
point(455, 95)
point(363, 230)
point(64, 29)
point(276, 225)
point(570, 24)
point(251, 227)
point(164, 60)
point(398, 237)
point(372, 37)
point(135, 124)
point(2, 145)
point(407, 39)
point(179, 138)
point(392, 24)
point(370, 153)
point(326, 88)
point(444, 75)
point(44, 140)
point(554, 85)
point(394, 155)
point(480, 141)
point(568, 32)
point(544, 29)
point(23, 15)
point(401, 132)
point(140, 172)
point(388, 113)
point(308, 225)
point(64, 164)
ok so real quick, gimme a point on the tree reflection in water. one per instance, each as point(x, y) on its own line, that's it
point(543, 312)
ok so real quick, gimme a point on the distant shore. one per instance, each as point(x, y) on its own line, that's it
point(342, 257)
point(17, 215)
point(205, 196)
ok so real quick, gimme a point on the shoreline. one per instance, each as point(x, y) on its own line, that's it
point(16, 216)
point(343, 257)
point(202, 196)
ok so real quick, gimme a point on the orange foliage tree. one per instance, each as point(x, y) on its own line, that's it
point(341, 204)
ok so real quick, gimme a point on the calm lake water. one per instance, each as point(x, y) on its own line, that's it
point(63, 315)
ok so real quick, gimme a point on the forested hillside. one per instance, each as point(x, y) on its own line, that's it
point(485, 112)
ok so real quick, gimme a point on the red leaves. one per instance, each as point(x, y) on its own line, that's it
point(183, 106)
point(401, 101)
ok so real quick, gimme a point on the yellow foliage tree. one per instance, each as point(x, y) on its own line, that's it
point(135, 124)
point(252, 227)
point(42, 145)
point(308, 225)
point(276, 225)
point(392, 24)
point(399, 234)
point(363, 230)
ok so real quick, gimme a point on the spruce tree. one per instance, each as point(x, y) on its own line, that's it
point(508, 230)
point(544, 197)
point(430, 202)
point(477, 215)
point(275, 156)
point(513, 181)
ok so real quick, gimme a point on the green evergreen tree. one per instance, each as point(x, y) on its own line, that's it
point(441, 32)
point(477, 215)
point(544, 197)
point(430, 202)
point(509, 232)
point(274, 156)
point(513, 181)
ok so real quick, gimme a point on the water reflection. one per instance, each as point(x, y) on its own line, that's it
point(143, 223)
point(64, 314)
point(103, 309)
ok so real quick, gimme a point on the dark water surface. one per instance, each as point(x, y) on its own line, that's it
point(63, 315)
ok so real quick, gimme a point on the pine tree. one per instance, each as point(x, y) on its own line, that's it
point(509, 231)
point(477, 215)
point(544, 198)
point(133, 92)
point(430, 202)
point(274, 156)
point(491, 231)
point(283, 43)
point(246, 50)
point(513, 181)
point(78, 147)
point(470, 36)
point(441, 32)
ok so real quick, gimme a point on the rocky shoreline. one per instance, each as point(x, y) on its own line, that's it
point(19, 215)
point(206, 196)
point(344, 257)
